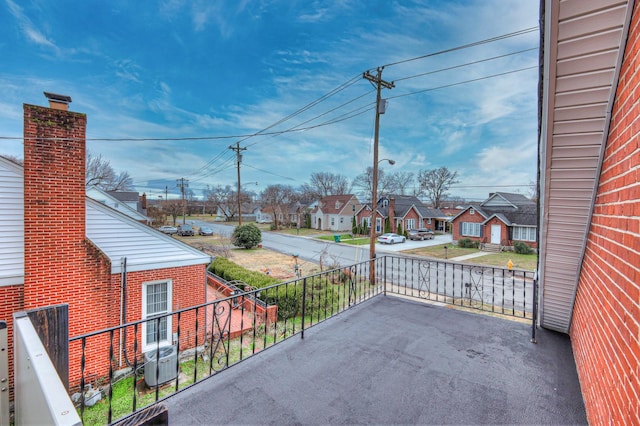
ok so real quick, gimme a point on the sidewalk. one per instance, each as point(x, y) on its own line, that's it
point(470, 256)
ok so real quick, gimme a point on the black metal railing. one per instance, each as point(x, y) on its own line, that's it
point(213, 336)
point(203, 340)
point(485, 288)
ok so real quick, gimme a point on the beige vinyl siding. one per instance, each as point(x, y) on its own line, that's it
point(584, 42)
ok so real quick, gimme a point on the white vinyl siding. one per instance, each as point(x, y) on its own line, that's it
point(470, 229)
point(524, 233)
point(156, 301)
point(11, 224)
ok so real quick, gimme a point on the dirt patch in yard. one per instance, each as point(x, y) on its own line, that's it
point(263, 260)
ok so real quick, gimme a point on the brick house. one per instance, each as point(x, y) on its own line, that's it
point(59, 246)
point(500, 220)
point(335, 212)
point(405, 210)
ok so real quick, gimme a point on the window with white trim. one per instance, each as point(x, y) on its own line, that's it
point(333, 221)
point(156, 301)
point(524, 233)
point(429, 221)
point(411, 224)
point(470, 229)
point(366, 221)
point(378, 225)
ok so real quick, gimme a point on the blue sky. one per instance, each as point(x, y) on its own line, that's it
point(213, 70)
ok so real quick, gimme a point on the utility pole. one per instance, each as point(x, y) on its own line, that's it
point(183, 183)
point(237, 149)
point(381, 104)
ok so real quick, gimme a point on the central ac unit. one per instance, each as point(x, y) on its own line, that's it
point(162, 370)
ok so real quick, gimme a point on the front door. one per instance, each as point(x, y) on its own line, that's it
point(495, 234)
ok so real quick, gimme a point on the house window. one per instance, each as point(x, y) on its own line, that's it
point(524, 233)
point(411, 224)
point(472, 211)
point(378, 225)
point(156, 297)
point(470, 229)
point(429, 221)
point(342, 220)
point(353, 208)
point(333, 221)
point(366, 221)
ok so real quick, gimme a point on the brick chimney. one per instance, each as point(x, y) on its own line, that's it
point(54, 203)
point(392, 213)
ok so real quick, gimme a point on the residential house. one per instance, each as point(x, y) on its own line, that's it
point(58, 246)
point(498, 221)
point(406, 211)
point(132, 199)
point(108, 199)
point(335, 212)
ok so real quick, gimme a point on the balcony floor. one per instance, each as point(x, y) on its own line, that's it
point(394, 361)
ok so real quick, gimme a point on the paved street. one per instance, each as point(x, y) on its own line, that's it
point(310, 249)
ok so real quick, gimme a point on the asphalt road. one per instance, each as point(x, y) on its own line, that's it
point(310, 249)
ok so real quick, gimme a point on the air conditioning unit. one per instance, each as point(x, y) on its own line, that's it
point(166, 365)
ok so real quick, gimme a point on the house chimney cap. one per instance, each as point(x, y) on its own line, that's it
point(54, 97)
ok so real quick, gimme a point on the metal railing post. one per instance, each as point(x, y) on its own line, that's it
point(4, 375)
point(304, 304)
point(384, 276)
point(534, 314)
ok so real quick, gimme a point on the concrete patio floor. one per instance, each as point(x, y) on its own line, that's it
point(394, 361)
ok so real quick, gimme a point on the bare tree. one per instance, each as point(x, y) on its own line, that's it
point(224, 199)
point(402, 182)
point(324, 183)
point(386, 182)
point(276, 199)
point(99, 173)
point(435, 183)
point(173, 208)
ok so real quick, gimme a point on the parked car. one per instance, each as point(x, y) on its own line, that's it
point(420, 234)
point(205, 230)
point(185, 230)
point(169, 230)
point(391, 239)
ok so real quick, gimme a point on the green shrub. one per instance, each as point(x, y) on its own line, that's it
point(468, 243)
point(230, 271)
point(246, 236)
point(522, 248)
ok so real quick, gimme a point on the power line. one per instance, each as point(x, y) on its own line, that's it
point(466, 64)
point(464, 82)
point(464, 46)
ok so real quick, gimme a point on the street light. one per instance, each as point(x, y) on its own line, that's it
point(374, 208)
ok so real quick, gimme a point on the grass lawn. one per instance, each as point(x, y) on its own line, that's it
point(439, 251)
point(528, 262)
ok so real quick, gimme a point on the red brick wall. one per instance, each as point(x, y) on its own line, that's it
point(467, 217)
point(188, 289)
point(605, 330)
point(12, 300)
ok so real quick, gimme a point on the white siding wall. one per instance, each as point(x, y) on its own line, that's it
point(11, 224)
